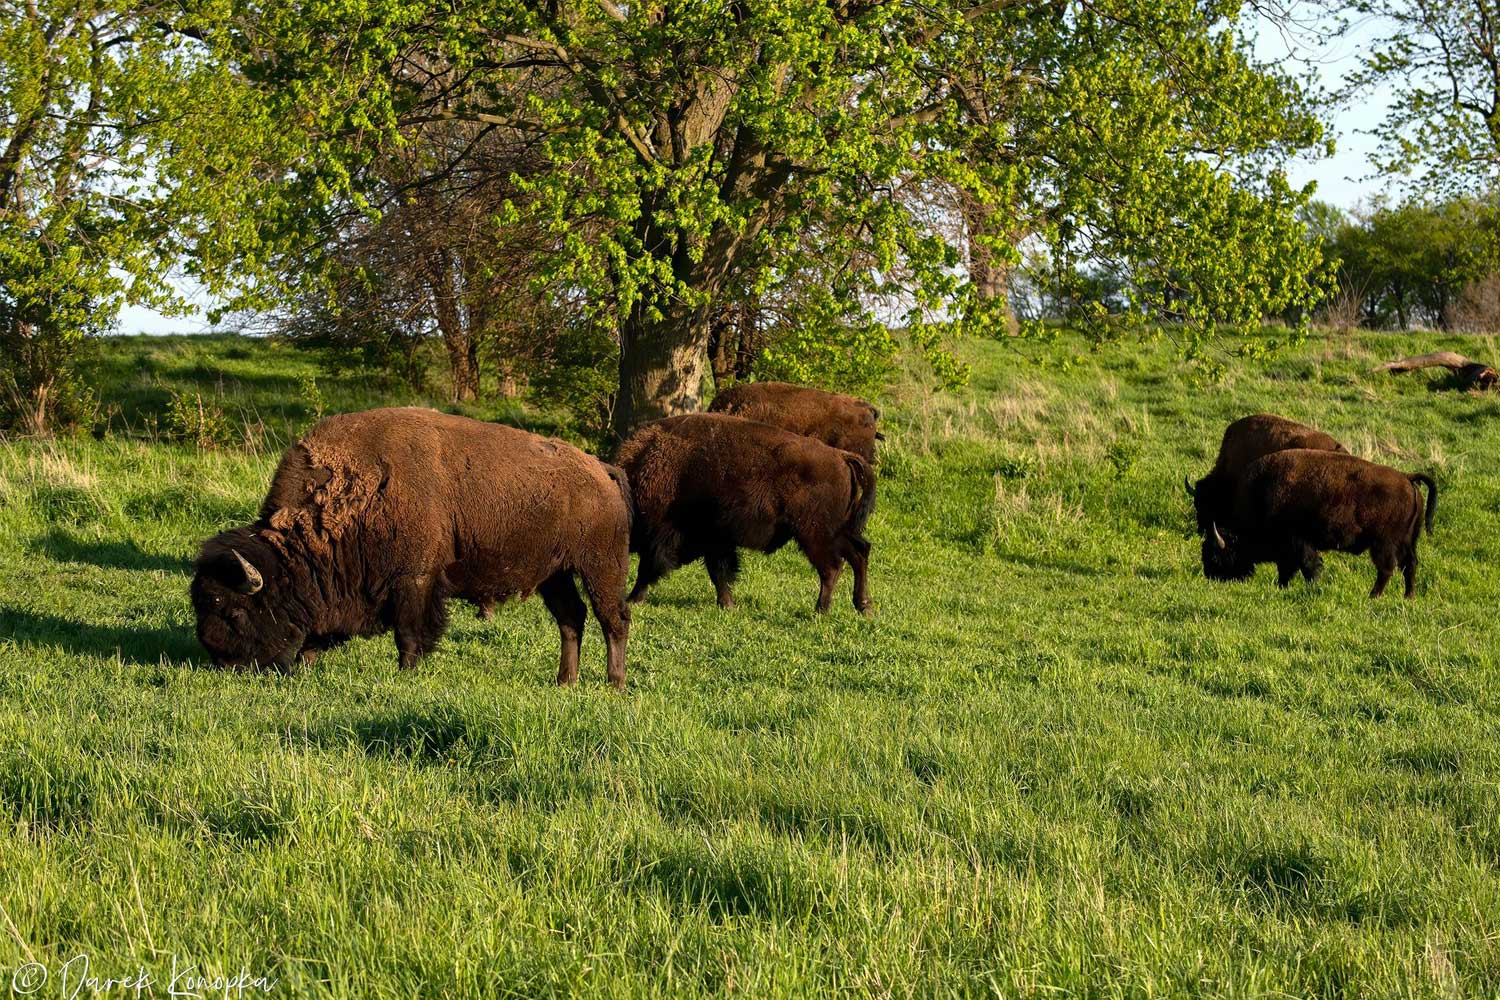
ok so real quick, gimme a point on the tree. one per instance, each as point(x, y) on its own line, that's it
point(1411, 263)
point(698, 144)
point(1439, 59)
point(445, 257)
point(102, 114)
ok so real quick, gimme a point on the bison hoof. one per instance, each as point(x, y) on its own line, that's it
point(866, 609)
point(726, 602)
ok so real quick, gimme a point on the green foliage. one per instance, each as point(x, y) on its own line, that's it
point(1412, 262)
point(311, 394)
point(192, 419)
point(1434, 63)
point(120, 143)
point(576, 375)
point(701, 153)
point(1055, 762)
point(857, 358)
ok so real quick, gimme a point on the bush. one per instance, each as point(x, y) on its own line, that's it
point(192, 420)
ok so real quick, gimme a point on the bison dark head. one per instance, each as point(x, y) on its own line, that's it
point(1212, 499)
point(242, 611)
point(1223, 556)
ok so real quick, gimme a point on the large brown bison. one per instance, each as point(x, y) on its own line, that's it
point(845, 422)
point(1292, 505)
point(1245, 440)
point(709, 484)
point(374, 519)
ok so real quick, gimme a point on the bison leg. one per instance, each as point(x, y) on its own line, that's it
point(1409, 570)
point(1297, 557)
point(561, 598)
point(1312, 563)
point(723, 568)
point(605, 590)
point(857, 551)
point(825, 559)
point(421, 617)
point(1385, 565)
point(654, 564)
point(1286, 568)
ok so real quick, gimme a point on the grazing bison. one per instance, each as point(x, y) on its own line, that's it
point(845, 422)
point(374, 519)
point(1246, 440)
point(709, 484)
point(1292, 505)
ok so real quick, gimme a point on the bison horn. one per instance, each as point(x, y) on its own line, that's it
point(253, 580)
point(1218, 538)
point(1189, 487)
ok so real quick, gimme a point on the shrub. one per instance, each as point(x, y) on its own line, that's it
point(193, 420)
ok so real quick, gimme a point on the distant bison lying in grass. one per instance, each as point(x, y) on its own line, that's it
point(374, 519)
point(845, 422)
point(1245, 440)
point(1292, 505)
point(709, 484)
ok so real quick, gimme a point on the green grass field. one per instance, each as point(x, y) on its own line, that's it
point(1055, 762)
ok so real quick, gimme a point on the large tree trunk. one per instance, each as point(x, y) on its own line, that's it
point(988, 270)
point(663, 364)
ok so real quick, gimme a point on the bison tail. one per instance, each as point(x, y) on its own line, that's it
point(622, 483)
point(1426, 480)
point(861, 491)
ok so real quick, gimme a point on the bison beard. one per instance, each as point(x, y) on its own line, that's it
point(708, 484)
point(845, 422)
point(1292, 505)
point(375, 519)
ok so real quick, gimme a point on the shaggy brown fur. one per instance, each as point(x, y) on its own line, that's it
point(1294, 504)
point(374, 519)
point(1246, 440)
point(846, 422)
point(709, 484)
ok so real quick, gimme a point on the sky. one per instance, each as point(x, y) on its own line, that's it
point(1342, 179)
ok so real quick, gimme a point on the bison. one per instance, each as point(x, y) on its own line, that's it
point(1246, 440)
point(709, 484)
point(1292, 505)
point(845, 422)
point(374, 519)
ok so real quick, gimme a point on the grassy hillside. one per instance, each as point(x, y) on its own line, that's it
point(1056, 761)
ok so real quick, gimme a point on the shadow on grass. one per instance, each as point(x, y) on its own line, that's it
point(140, 646)
point(1056, 565)
point(60, 546)
point(420, 735)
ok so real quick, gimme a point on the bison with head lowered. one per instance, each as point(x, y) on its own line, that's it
point(375, 519)
point(1292, 505)
point(1245, 440)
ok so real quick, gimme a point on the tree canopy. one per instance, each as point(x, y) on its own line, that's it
point(1440, 63)
point(797, 185)
point(124, 148)
point(694, 155)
